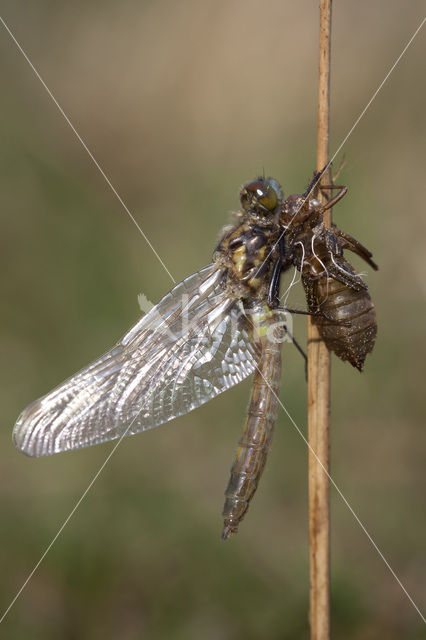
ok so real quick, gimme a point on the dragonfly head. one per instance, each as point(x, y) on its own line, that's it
point(261, 197)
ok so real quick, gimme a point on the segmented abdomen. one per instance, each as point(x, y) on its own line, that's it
point(350, 327)
point(258, 430)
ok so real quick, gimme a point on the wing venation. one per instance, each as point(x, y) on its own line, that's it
point(194, 344)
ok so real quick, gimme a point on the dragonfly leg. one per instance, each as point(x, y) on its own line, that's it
point(351, 244)
point(314, 314)
point(274, 285)
point(297, 311)
point(299, 348)
point(343, 191)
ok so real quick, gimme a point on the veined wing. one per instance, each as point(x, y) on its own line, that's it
point(190, 347)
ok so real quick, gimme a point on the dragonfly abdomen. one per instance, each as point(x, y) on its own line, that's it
point(256, 439)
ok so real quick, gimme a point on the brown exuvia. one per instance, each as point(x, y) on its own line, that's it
point(336, 295)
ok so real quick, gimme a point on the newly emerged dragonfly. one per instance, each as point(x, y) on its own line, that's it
point(210, 332)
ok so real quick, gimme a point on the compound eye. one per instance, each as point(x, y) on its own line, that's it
point(267, 197)
point(258, 195)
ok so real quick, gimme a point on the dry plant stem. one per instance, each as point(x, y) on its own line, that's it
point(319, 391)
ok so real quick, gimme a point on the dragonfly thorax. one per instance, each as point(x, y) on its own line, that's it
point(247, 252)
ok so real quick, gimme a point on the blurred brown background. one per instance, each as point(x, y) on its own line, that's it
point(181, 103)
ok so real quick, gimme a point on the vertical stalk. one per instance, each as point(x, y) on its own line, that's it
point(319, 391)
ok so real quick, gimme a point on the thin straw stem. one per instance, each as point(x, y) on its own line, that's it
point(319, 391)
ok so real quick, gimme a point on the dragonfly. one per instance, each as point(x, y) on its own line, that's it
point(210, 332)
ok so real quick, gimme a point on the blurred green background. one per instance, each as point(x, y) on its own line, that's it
point(181, 103)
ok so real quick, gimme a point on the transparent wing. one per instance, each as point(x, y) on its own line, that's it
point(190, 347)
